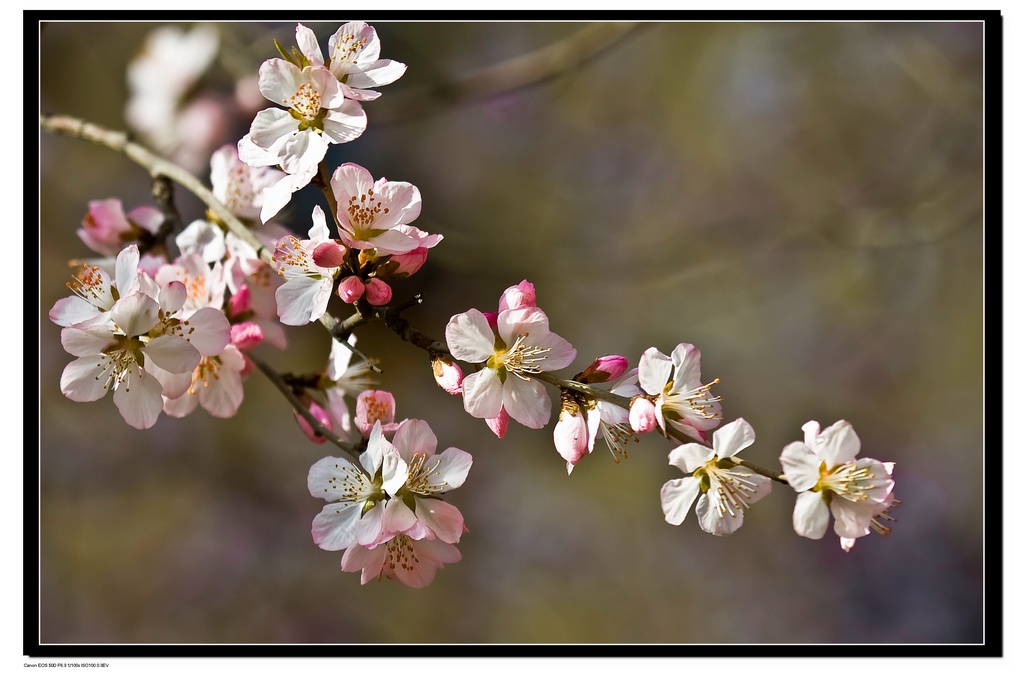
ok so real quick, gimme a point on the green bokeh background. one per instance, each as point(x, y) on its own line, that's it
point(802, 201)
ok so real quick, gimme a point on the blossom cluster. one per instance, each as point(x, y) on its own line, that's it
point(387, 511)
point(169, 333)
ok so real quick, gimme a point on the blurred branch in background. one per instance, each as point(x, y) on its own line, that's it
point(522, 71)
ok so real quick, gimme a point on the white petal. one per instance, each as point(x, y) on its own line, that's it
point(732, 438)
point(713, 521)
point(270, 129)
point(443, 519)
point(126, 270)
point(84, 379)
point(522, 321)
point(414, 436)
point(135, 314)
point(810, 516)
point(302, 300)
point(470, 338)
point(382, 72)
point(308, 45)
point(677, 497)
point(482, 394)
point(398, 518)
point(526, 401)
point(654, 371)
point(345, 124)
point(172, 354)
point(208, 330)
point(800, 466)
point(334, 527)
point(86, 342)
point(453, 467)
point(838, 444)
point(139, 400)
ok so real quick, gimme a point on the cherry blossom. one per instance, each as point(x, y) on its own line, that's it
point(522, 346)
point(304, 295)
point(106, 229)
point(315, 115)
point(216, 385)
point(683, 403)
point(144, 339)
point(375, 214)
point(354, 51)
point(418, 481)
point(354, 495)
point(238, 186)
point(95, 292)
point(824, 471)
point(726, 489)
point(414, 563)
point(375, 407)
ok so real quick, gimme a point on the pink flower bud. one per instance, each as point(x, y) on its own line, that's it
point(239, 301)
point(448, 374)
point(106, 229)
point(604, 369)
point(329, 255)
point(377, 292)
point(642, 415)
point(499, 425)
point(351, 289)
point(571, 436)
point(246, 335)
point(320, 414)
point(401, 266)
point(519, 296)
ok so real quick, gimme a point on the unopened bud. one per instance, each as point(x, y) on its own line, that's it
point(240, 301)
point(642, 415)
point(448, 374)
point(377, 292)
point(400, 266)
point(321, 416)
point(351, 289)
point(329, 255)
point(604, 369)
point(519, 296)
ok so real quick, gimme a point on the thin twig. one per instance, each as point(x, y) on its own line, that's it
point(303, 411)
point(522, 71)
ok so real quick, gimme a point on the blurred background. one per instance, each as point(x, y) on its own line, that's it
point(801, 201)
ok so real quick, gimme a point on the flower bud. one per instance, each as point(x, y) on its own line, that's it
point(519, 296)
point(351, 289)
point(571, 435)
point(319, 413)
point(604, 369)
point(377, 292)
point(448, 374)
point(329, 255)
point(642, 415)
point(246, 335)
point(239, 302)
point(401, 266)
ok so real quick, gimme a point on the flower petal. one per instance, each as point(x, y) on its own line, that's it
point(838, 444)
point(334, 527)
point(810, 516)
point(526, 401)
point(800, 466)
point(443, 519)
point(677, 497)
point(482, 394)
point(732, 438)
point(470, 338)
point(138, 399)
point(654, 371)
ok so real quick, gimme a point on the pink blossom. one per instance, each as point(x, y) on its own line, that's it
point(370, 213)
point(571, 435)
point(216, 386)
point(373, 406)
point(414, 563)
point(519, 296)
point(106, 229)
